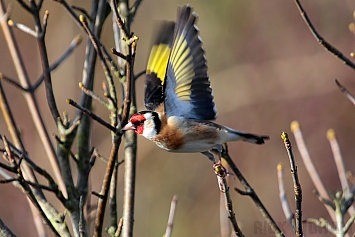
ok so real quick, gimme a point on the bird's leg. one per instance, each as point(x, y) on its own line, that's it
point(217, 166)
point(209, 155)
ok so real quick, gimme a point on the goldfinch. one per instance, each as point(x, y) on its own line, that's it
point(178, 95)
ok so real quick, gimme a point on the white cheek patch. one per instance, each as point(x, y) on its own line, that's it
point(149, 131)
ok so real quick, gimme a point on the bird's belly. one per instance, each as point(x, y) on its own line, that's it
point(191, 147)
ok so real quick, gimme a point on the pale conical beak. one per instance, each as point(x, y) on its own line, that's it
point(129, 126)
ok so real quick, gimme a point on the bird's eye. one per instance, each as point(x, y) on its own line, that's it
point(138, 123)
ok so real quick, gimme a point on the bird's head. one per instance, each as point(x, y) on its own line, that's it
point(146, 123)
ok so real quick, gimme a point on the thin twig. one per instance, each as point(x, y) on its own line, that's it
point(139, 74)
point(45, 22)
point(82, 227)
point(223, 186)
point(36, 168)
point(346, 92)
point(134, 9)
point(15, 135)
point(321, 40)
point(338, 158)
point(113, 202)
point(119, 228)
point(311, 169)
point(74, 43)
point(105, 186)
point(251, 193)
point(45, 66)
point(92, 94)
point(169, 226)
point(6, 181)
point(321, 223)
point(24, 6)
point(83, 11)
point(5, 231)
point(23, 28)
point(296, 185)
point(92, 115)
point(348, 224)
point(30, 99)
point(12, 82)
point(118, 54)
point(100, 54)
point(108, 58)
point(25, 186)
point(323, 200)
point(225, 223)
point(283, 197)
point(119, 20)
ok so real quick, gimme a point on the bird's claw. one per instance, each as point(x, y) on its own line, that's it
point(220, 170)
point(221, 173)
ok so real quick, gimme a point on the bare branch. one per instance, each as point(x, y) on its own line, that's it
point(283, 197)
point(92, 115)
point(75, 42)
point(30, 99)
point(223, 186)
point(346, 92)
point(264, 212)
point(93, 95)
point(83, 11)
point(340, 166)
point(139, 74)
point(5, 231)
point(321, 40)
point(169, 226)
point(308, 163)
point(296, 185)
point(22, 28)
point(321, 223)
point(13, 82)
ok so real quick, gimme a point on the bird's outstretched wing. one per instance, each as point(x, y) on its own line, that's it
point(157, 65)
point(177, 70)
point(187, 87)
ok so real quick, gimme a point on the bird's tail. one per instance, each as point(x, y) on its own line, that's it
point(235, 135)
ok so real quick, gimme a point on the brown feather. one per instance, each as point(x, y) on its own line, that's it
point(169, 137)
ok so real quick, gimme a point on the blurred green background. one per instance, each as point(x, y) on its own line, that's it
point(266, 70)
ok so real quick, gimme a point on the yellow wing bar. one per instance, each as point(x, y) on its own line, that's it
point(183, 66)
point(158, 61)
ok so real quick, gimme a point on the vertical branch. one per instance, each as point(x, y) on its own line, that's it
point(130, 150)
point(224, 188)
point(101, 205)
point(169, 227)
point(131, 46)
point(128, 48)
point(296, 185)
point(224, 221)
point(98, 14)
point(41, 31)
point(113, 203)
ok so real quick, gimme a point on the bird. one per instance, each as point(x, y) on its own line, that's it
point(178, 94)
